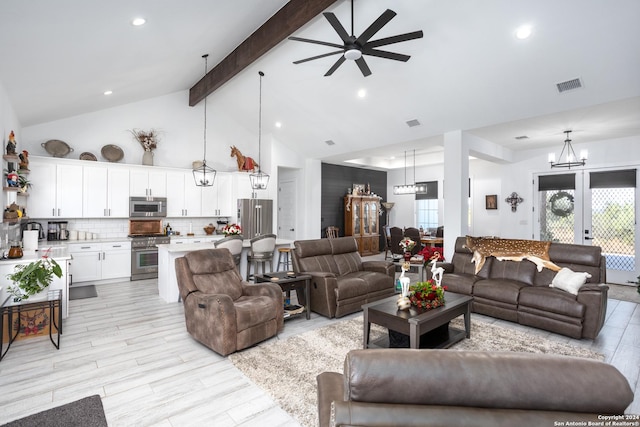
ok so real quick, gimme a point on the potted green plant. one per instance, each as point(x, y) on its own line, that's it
point(29, 279)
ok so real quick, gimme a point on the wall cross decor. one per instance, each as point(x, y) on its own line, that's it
point(514, 200)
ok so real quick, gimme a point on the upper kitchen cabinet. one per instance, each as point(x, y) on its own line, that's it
point(146, 182)
point(56, 190)
point(217, 200)
point(105, 192)
point(184, 198)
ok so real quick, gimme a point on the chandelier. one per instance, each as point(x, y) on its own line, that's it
point(568, 155)
point(204, 175)
point(260, 180)
point(410, 188)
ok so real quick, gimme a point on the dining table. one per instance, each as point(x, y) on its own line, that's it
point(431, 241)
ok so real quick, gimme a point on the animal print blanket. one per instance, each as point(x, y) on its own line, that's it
point(510, 249)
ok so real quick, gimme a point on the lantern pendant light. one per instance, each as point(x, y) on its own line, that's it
point(260, 180)
point(204, 175)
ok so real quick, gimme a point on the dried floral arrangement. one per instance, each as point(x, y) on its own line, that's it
point(148, 140)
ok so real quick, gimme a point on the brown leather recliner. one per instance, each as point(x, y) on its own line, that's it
point(221, 310)
point(406, 387)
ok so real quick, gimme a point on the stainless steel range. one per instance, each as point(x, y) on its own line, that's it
point(145, 235)
point(144, 255)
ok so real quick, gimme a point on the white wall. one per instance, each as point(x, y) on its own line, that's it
point(181, 132)
point(8, 120)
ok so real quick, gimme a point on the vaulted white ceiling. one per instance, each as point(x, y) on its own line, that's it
point(468, 73)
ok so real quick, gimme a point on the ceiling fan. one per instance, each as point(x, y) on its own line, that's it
point(355, 47)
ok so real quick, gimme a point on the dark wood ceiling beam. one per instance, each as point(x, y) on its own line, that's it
point(285, 22)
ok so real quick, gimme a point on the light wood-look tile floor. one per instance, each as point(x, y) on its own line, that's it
point(132, 348)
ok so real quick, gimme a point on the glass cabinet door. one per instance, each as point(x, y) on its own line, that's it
point(355, 206)
point(373, 211)
point(366, 218)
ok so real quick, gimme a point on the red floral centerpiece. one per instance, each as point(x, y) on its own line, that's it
point(231, 229)
point(427, 294)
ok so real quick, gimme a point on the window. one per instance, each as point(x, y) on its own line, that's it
point(427, 214)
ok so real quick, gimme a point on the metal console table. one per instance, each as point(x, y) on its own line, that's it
point(10, 307)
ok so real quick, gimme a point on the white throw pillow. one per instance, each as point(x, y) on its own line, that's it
point(569, 281)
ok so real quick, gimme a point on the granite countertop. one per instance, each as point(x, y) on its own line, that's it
point(186, 247)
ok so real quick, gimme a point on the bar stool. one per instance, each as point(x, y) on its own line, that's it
point(234, 244)
point(261, 253)
point(283, 259)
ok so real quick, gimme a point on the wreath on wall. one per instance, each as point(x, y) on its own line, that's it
point(561, 204)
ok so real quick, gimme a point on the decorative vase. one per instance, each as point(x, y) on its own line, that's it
point(407, 255)
point(147, 158)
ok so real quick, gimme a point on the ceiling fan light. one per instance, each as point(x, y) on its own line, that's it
point(352, 54)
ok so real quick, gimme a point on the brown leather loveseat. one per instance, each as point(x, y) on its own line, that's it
point(406, 387)
point(518, 292)
point(341, 282)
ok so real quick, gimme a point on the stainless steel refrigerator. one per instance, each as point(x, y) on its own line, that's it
point(255, 216)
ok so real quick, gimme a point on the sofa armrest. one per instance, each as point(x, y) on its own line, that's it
point(384, 267)
point(323, 292)
point(330, 389)
point(594, 297)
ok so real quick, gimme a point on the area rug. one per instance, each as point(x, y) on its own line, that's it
point(287, 369)
point(82, 292)
point(87, 412)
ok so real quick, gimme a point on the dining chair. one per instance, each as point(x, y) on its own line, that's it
point(332, 232)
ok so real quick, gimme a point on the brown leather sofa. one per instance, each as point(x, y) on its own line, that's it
point(340, 281)
point(406, 387)
point(221, 310)
point(516, 291)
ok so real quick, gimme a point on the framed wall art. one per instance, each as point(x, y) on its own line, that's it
point(491, 201)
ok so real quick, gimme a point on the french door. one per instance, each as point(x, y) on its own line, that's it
point(592, 207)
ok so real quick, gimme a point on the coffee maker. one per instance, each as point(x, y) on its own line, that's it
point(58, 230)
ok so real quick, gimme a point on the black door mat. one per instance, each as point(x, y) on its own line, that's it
point(82, 292)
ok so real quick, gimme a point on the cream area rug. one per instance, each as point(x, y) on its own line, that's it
point(287, 369)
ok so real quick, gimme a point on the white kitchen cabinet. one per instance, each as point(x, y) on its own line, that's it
point(184, 198)
point(56, 190)
point(100, 261)
point(146, 182)
point(217, 200)
point(105, 192)
point(116, 260)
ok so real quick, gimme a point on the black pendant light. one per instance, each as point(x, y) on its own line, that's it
point(204, 175)
point(260, 180)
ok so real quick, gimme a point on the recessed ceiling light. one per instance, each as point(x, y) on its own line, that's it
point(108, 92)
point(362, 93)
point(523, 32)
point(138, 21)
point(278, 124)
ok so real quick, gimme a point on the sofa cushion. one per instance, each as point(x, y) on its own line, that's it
point(553, 300)
point(348, 263)
point(519, 271)
point(503, 290)
point(569, 281)
point(459, 283)
point(350, 286)
point(252, 311)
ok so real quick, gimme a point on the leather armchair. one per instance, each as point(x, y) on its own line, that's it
point(406, 387)
point(221, 310)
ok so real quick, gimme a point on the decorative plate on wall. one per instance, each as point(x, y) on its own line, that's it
point(112, 153)
point(88, 156)
point(56, 148)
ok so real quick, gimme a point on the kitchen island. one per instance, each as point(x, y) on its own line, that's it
point(167, 254)
point(59, 253)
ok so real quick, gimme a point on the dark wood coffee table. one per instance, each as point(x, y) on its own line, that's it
point(416, 322)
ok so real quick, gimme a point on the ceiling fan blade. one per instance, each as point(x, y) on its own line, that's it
point(335, 66)
point(298, 39)
point(337, 26)
point(395, 39)
point(364, 68)
point(386, 55)
point(300, 61)
point(382, 20)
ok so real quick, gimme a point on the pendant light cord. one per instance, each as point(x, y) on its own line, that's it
point(204, 156)
point(260, 124)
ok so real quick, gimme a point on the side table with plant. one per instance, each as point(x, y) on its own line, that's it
point(30, 279)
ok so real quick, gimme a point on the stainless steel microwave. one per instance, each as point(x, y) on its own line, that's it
point(147, 207)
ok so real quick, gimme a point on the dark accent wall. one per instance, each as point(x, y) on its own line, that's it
point(335, 182)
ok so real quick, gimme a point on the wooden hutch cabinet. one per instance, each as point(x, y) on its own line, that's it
point(361, 220)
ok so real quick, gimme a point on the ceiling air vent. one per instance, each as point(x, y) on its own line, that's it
point(569, 85)
point(413, 123)
point(522, 137)
point(330, 142)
